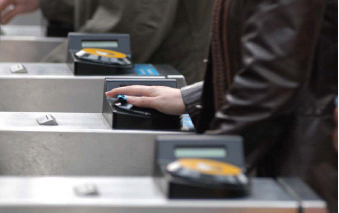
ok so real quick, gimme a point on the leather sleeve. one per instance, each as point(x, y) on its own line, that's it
point(58, 10)
point(277, 45)
point(191, 96)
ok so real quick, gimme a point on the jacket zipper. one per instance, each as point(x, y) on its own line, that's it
point(220, 51)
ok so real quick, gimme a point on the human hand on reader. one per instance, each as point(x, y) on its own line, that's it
point(11, 8)
point(164, 99)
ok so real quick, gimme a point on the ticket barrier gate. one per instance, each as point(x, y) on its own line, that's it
point(83, 145)
point(135, 195)
point(82, 130)
point(58, 87)
point(131, 191)
point(94, 55)
point(52, 90)
point(58, 93)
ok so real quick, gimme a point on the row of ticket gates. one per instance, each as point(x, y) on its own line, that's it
point(65, 147)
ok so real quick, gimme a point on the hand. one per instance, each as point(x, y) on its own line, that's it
point(164, 99)
point(19, 7)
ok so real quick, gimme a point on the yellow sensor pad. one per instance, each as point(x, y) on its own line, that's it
point(210, 167)
point(104, 53)
point(103, 56)
point(205, 171)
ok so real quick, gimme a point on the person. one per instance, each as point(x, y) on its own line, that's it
point(272, 78)
point(175, 32)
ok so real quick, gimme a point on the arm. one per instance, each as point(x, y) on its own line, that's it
point(11, 8)
point(61, 10)
point(277, 44)
point(191, 96)
point(164, 99)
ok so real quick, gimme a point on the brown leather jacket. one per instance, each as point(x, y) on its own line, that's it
point(272, 78)
point(175, 32)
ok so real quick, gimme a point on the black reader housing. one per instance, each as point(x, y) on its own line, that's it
point(166, 151)
point(115, 42)
point(120, 117)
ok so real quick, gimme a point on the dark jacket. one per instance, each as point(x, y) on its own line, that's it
point(272, 78)
point(175, 32)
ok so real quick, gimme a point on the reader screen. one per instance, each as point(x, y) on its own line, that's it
point(200, 152)
point(99, 44)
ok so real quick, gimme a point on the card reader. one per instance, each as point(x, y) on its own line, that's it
point(200, 166)
point(122, 115)
point(127, 116)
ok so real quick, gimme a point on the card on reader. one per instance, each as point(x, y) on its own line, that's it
point(120, 103)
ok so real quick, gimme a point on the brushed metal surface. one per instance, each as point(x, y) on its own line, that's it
point(57, 69)
point(309, 201)
point(26, 48)
point(129, 194)
point(66, 121)
point(51, 94)
point(52, 87)
point(43, 151)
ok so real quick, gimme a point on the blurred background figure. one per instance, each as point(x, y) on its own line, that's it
point(175, 32)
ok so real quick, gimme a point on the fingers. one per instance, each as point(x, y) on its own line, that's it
point(135, 90)
point(9, 15)
point(145, 102)
point(8, 12)
point(4, 4)
point(11, 8)
point(138, 95)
